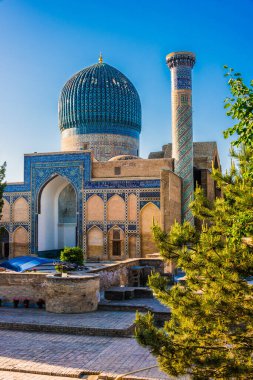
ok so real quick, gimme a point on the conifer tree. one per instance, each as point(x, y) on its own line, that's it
point(210, 333)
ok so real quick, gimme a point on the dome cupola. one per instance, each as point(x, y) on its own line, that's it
point(100, 109)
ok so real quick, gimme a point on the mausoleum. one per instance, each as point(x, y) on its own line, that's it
point(97, 192)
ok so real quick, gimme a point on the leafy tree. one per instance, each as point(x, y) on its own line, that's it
point(2, 186)
point(72, 255)
point(210, 333)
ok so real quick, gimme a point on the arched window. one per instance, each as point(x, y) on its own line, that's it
point(116, 243)
point(67, 205)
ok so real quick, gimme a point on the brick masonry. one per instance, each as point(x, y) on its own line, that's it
point(33, 285)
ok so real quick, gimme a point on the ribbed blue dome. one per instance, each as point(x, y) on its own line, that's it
point(100, 99)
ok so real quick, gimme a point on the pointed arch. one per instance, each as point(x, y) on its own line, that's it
point(51, 178)
point(116, 208)
point(95, 208)
point(95, 239)
point(6, 212)
point(57, 219)
point(132, 207)
point(20, 242)
point(21, 210)
point(116, 243)
point(149, 213)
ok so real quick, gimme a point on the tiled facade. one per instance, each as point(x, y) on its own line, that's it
point(122, 202)
point(115, 195)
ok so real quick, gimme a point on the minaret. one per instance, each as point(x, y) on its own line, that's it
point(181, 64)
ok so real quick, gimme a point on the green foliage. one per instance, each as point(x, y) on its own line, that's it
point(240, 108)
point(210, 334)
point(72, 255)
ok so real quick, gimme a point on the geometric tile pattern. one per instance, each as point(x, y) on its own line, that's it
point(102, 106)
point(181, 65)
point(39, 169)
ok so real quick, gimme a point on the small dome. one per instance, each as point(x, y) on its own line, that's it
point(125, 157)
point(100, 99)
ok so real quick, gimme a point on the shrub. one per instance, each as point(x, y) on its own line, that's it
point(72, 255)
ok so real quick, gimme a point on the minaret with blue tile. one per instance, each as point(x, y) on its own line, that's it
point(180, 65)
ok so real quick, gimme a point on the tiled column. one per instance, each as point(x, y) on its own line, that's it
point(181, 64)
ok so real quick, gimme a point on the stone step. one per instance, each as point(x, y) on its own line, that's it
point(118, 293)
point(75, 330)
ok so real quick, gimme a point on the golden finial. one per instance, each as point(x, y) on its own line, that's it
point(100, 59)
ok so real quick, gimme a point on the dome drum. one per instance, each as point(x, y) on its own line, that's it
point(104, 146)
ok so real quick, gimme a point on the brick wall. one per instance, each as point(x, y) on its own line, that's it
point(131, 168)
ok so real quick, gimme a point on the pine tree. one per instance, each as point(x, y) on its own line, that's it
point(210, 333)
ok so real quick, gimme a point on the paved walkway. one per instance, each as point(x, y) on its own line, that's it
point(6, 375)
point(72, 355)
point(115, 323)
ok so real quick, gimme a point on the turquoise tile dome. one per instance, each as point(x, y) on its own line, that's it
point(100, 99)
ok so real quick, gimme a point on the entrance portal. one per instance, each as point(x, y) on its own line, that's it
point(57, 219)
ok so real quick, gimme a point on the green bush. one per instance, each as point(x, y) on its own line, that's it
point(72, 255)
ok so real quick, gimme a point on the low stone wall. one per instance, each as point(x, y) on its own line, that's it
point(22, 286)
point(117, 274)
point(72, 294)
point(32, 286)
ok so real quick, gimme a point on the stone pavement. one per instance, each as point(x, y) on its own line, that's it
point(7, 375)
point(151, 304)
point(109, 323)
point(73, 355)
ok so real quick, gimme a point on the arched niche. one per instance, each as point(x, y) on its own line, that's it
point(57, 219)
point(116, 208)
point(132, 207)
point(67, 205)
point(21, 210)
point(95, 243)
point(4, 243)
point(116, 243)
point(20, 242)
point(6, 212)
point(149, 213)
point(95, 209)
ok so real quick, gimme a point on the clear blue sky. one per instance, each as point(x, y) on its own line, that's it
point(44, 42)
